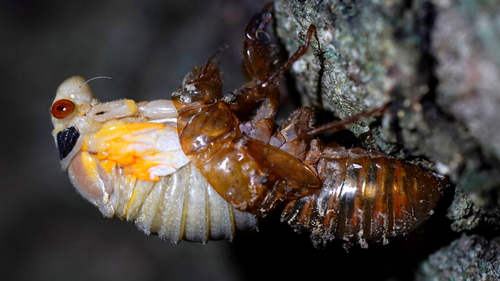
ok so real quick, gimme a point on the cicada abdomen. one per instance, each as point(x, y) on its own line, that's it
point(180, 206)
point(365, 196)
point(126, 159)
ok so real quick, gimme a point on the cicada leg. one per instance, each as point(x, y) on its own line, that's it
point(259, 62)
point(258, 52)
point(273, 78)
point(260, 65)
point(305, 132)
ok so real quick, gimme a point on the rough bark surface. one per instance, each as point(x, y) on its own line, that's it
point(468, 258)
point(436, 62)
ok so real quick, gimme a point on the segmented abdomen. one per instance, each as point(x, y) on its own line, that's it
point(365, 195)
point(181, 206)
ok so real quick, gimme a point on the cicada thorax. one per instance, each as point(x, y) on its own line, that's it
point(365, 196)
point(126, 159)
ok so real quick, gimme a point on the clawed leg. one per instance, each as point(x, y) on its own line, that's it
point(274, 77)
point(258, 52)
point(308, 133)
point(261, 69)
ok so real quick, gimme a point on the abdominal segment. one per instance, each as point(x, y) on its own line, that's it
point(181, 206)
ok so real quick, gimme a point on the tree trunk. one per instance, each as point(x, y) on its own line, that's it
point(436, 63)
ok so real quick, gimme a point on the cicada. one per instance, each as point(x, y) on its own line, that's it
point(205, 165)
point(125, 158)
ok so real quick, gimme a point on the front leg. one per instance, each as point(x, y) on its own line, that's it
point(159, 111)
point(259, 62)
point(264, 87)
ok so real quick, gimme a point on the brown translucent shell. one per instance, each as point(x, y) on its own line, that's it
point(246, 170)
point(62, 108)
point(365, 195)
point(251, 174)
point(258, 53)
point(201, 87)
point(243, 170)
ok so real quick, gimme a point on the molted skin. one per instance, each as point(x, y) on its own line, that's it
point(258, 166)
point(107, 162)
point(236, 158)
point(365, 196)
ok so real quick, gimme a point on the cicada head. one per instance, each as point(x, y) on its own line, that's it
point(200, 87)
point(72, 103)
point(76, 114)
point(106, 146)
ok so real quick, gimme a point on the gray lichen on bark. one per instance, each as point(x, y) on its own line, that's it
point(465, 215)
point(467, 258)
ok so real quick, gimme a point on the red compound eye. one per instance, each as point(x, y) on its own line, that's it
point(62, 108)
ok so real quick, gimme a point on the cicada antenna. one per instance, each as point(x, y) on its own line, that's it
point(92, 79)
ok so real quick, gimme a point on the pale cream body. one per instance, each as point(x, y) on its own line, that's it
point(180, 205)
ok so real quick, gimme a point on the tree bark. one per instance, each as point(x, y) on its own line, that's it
point(436, 63)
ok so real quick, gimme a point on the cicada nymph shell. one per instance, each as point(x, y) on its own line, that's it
point(227, 136)
point(126, 159)
point(365, 196)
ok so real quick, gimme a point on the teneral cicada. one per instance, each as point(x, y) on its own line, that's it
point(126, 159)
point(203, 165)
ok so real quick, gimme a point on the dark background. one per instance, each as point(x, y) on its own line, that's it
point(48, 232)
